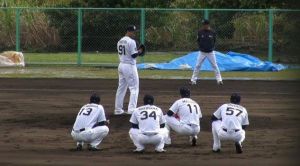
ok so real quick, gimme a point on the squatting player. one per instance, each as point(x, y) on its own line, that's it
point(148, 126)
point(128, 75)
point(206, 41)
point(184, 117)
point(229, 123)
point(90, 126)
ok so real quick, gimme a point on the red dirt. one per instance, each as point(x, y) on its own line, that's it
point(37, 116)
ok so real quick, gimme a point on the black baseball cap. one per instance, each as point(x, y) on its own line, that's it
point(205, 22)
point(131, 28)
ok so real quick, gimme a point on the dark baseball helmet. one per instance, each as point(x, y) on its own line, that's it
point(95, 98)
point(235, 98)
point(185, 92)
point(205, 22)
point(131, 28)
point(148, 99)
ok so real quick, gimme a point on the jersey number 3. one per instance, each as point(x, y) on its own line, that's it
point(146, 116)
point(231, 111)
point(121, 50)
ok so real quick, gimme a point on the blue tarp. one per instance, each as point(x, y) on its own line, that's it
point(231, 61)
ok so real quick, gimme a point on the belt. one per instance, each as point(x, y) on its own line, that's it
point(83, 129)
point(149, 134)
point(80, 130)
point(128, 63)
point(235, 130)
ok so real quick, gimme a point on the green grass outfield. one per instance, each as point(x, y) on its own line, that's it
point(103, 65)
point(46, 71)
point(101, 58)
point(92, 58)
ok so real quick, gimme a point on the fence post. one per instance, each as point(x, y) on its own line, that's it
point(270, 40)
point(206, 14)
point(142, 28)
point(79, 35)
point(18, 29)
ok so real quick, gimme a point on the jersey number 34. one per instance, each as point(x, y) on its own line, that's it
point(146, 116)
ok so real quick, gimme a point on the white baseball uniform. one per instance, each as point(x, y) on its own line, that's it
point(149, 118)
point(188, 121)
point(212, 59)
point(230, 127)
point(128, 75)
point(85, 129)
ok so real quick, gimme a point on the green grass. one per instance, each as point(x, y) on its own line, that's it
point(97, 58)
point(96, 72)
point(60, 70)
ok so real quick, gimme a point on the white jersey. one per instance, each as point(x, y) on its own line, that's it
point(149, 118)
point(233, 116)
point(126, 47)
point(88, 116)
point(187, 110)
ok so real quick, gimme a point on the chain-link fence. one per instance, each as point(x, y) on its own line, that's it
point(89, 36)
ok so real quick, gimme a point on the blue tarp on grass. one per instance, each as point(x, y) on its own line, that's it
point(231, 61)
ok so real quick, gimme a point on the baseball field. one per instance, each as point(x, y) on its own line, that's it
point(37, 115)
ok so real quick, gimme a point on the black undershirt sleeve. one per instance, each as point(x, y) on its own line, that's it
point(170, 113)
point(135, 55)
point(214, 118)
point(244, 126)
point(135, 126)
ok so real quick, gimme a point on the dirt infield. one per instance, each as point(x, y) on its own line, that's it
point(37, 116)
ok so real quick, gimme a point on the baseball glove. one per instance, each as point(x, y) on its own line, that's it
point(142, 49)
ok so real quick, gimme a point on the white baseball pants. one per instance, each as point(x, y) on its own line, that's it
point(140, 140)
point(212, 59)
point(92, 136)
point(219, 134)
point(128, 78)
point(181, 128)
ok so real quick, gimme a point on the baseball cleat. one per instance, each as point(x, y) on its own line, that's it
point(119, 112)
point(192, 82)
point(217, 151)
point(79, 147)
point(160, 151)
point(139, 151)
point(194, 141)
point(220, 82)
point(93, 148)
point(238, 148)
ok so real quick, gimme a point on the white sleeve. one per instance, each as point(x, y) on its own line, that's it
point(245, 120)
point(132, 47)
point(133, 118)
point(162, 118)
point(218, 113)
point(174, 107)
point(102, 114)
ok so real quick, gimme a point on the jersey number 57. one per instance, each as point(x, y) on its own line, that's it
point(231, 111)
